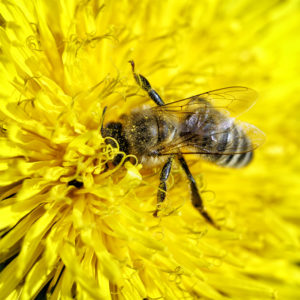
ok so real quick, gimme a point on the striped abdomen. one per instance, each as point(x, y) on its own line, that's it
point(231, 145)
point(234, 145)
point(218, 139)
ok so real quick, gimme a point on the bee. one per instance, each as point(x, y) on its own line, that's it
point(203, 124)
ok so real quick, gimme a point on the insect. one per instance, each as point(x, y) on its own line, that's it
point(203, 124)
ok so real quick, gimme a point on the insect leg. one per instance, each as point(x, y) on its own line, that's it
point(102, 120)
point(164, 175)
point(196, 198)
point(145, 85)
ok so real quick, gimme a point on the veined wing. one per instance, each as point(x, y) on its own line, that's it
point(226, 139)
point(235, 100)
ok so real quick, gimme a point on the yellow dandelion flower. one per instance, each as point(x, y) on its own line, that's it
point(75, 225)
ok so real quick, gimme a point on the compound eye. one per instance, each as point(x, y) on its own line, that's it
point(114, 126)
point(112, 129)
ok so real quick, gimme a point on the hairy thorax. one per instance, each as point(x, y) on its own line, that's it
point(145, 132)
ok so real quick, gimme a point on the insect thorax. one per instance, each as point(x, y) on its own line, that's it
point(145, 131)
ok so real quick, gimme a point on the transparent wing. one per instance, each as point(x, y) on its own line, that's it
point(229, 138)
point(209, 122)
point(255, 135)
point(235, 100)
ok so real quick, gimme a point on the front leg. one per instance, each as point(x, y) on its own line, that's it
point(196, 198)
point(145, 85)
point(164, 175)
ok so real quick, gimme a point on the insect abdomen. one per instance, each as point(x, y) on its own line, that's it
point(231, 146)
